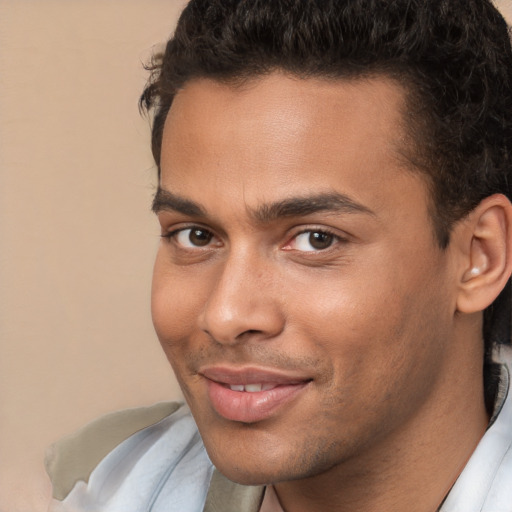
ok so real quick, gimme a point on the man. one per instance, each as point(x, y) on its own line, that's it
point(333, 279)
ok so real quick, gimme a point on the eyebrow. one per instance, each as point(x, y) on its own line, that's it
point(167, 201)
point(307, 205)
point(289, 207)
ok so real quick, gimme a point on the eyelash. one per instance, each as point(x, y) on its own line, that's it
point(323, 231)
point(172, 235)
point(334, 238)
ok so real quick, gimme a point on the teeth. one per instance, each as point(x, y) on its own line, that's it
point(251, 388)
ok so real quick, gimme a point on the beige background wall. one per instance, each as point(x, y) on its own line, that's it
point(77, 239)
point(76, 236)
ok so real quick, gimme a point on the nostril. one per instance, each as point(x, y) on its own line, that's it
point(249, 332)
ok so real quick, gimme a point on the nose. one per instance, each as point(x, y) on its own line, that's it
point(243, 302)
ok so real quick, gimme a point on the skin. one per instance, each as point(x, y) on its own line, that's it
point(393, 404)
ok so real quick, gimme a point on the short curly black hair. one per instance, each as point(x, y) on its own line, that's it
point(453, 58)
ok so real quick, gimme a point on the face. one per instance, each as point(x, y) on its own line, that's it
point(299, 292)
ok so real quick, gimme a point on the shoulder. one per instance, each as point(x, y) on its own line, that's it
point(149, 458)
point(74, 457)
point(485, 484)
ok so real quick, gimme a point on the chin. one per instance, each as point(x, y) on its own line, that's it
point(251, 476)
point(266, 467)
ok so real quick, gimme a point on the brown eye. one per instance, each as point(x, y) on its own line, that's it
point(311, 241)
point(319, 240)
point(199, 237)
point(193, 237)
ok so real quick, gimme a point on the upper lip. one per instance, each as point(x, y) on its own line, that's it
point(251, 375)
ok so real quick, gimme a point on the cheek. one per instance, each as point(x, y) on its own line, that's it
point(375, 331)
point(174, 304)
point(344, 312)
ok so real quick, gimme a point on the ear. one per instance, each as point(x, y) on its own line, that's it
point(485, 237)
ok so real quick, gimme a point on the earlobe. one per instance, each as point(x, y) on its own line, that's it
point(487, 262)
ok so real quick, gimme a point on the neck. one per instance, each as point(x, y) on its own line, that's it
point(415, 467)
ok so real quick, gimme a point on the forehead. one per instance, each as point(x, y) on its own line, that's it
point(279, 134)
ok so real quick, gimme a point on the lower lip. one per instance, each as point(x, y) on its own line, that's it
point(249, 407)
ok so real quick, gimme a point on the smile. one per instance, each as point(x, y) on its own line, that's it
point(249, 396)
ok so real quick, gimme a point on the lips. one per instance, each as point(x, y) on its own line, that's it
point(251, 395)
